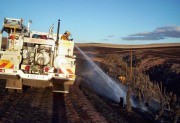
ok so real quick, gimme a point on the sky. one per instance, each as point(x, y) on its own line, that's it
point(101, 21)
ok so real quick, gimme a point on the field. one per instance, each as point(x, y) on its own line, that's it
point(155, 74)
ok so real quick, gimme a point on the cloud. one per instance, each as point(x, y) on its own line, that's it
point(157, 34)
point(111, 36)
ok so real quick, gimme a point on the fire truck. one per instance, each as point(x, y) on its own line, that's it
point(32, 58)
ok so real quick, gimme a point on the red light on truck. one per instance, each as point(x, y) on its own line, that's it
point(46, 69)
point(27, 68)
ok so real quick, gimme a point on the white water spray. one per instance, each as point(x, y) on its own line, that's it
point(100, 82)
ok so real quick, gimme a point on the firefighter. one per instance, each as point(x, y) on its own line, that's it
point(65, 36)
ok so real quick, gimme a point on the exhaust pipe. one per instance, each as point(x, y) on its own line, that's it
point(57, 39)
point(30, 22)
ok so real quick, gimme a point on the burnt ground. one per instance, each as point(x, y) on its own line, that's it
point(161, 64)
point(82, 104)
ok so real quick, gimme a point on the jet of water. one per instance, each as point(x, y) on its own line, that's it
point(100, 82)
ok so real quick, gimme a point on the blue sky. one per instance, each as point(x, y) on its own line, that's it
point(102, 21)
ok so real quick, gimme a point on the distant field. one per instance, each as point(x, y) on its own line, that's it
point(128, 46)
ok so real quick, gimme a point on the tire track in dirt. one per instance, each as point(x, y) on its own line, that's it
point(59, 112)
point(84, 108)
point(71, 113)
point(34, 105)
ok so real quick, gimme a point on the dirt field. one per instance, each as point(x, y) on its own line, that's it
point(160, 64)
